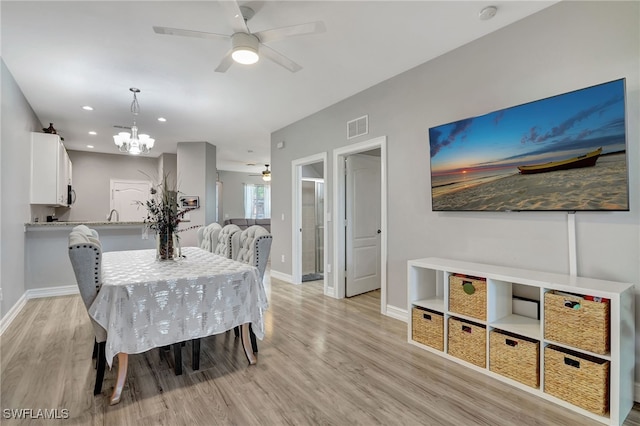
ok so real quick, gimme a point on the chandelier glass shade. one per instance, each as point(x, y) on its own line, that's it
point(133, 143)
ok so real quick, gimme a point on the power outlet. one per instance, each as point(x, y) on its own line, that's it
point(0, 294)
point(282, 259)
point(328, 268)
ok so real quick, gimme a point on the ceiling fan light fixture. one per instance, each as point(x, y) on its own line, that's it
point(266, 174)
point(244, 48)
point(245, 56)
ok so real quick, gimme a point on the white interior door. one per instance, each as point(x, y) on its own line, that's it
point(362, 224)
point(125, 195)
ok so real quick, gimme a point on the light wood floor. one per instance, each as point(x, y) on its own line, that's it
point(323, 361)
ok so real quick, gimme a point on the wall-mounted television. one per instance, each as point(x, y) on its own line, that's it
point(563, 153)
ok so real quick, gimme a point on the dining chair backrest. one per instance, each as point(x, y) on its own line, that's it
point(85, 254)
point(252, 246)
point(223, 246)
point(208, 236)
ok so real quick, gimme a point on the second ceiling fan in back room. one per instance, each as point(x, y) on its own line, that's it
point(266, 173)
point(248, 47)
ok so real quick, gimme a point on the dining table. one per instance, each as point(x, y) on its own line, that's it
point(145, 303)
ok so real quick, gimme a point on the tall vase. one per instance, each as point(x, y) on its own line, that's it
point(165, 246)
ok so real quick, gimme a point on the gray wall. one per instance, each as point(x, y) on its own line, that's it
point(233, 192)
point(92, 174)
point(313, 170)
point(168, 165)
point(18, 120)
point(197, 172)
point(567, 46)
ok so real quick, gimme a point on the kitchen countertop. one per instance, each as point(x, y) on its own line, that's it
point(90, 224)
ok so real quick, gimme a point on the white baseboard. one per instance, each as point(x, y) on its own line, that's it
point(13, 313)
point(37, 293)
point(64, 290)
point(282, 276)
point(397, 313)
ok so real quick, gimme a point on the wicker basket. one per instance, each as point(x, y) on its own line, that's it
point(579, 379)
point(468, 341)
point(576, 322)
point(515, 357)
point(473, 305)
point(427, 327)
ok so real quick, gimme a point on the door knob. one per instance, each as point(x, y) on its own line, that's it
point(379, 231)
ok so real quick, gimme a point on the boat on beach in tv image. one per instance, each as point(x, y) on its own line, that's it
point(563, 153)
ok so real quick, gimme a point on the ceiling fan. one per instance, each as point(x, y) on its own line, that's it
point(266, 174)
point(245, 45)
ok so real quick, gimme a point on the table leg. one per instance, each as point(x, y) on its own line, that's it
point(123, 364)
point(177, 358)
point(195, 354)
point(246, 344)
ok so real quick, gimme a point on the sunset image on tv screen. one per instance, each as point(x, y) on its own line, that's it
point(563, 153)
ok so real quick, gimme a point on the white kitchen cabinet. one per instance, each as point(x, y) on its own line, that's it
point(428, 290)
point(50, 170)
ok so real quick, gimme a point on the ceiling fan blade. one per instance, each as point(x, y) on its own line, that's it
point(189, 33)
point(225, 63)
point(234, 16)
point(292, 31)
point(279, 58)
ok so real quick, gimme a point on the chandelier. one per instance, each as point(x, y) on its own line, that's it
point(133, 143)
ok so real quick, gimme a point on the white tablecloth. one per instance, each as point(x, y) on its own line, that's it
point(145, 303)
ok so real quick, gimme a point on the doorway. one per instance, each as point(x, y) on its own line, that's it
point(345, 252)
point(309, 230)
point(312, 209)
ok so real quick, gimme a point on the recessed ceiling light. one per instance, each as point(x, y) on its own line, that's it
point(87, 108)
point(89, 146)
point(162, 119)
point(92, 133)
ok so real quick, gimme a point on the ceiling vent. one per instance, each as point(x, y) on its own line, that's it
point(358, 127)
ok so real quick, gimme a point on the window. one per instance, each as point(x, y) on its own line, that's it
point(257, 201)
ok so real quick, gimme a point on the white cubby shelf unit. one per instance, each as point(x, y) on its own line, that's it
point(428, 287)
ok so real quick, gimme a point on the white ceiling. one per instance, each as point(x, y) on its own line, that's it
point(64, 55)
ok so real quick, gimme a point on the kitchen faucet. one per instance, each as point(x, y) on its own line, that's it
point(111, 214)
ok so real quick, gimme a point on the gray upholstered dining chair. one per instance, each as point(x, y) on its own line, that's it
point(252, 246)
point(223, 245)
point(85, 254)
point(208, 236)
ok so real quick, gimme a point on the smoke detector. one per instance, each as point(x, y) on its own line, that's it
point(488, 13)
